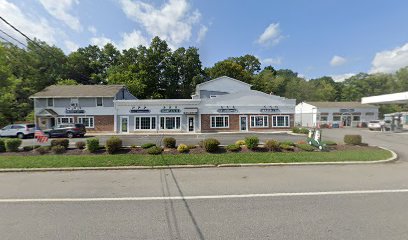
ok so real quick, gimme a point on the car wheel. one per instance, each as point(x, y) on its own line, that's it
point(20, 135)
point(70, 135)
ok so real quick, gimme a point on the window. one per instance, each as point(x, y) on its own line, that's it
point(336, 118)
point(17, 127)
point(87, 121)
point(369, 114)
point(280, 121)
point(170, 123)
point(219, 121)
point(259, 121)
point(356, 118)
point(50, 102)
point(74, 101)
point(145, 123)
point(323, 118)
point(61, 120)
point(99, 102)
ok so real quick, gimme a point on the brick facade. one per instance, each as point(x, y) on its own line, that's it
point(102, 123)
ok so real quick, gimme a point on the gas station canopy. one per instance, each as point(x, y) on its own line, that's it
point(394, 98)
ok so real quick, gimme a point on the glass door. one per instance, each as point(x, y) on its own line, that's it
point(243, 123)
point(124, 124)
point(191, 124)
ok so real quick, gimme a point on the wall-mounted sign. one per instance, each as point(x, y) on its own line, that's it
point(139, 110)
point(347, 110)
point(269, 109)
point(227, 109)
point(74, 108)
point(170, 110)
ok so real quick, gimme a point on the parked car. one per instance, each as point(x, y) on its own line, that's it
point(376, 125)
point(18, 130)
point(68, 130)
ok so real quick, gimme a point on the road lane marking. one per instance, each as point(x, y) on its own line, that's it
point(260, 195)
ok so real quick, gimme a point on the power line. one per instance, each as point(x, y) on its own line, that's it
point(13, 38)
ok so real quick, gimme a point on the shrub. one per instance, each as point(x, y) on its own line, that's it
point(329, 143)
point(272, 145)
point(113, 144)
point(306, 147)
point(295, 130)
point(183, 148)
point(12, 144)
point(2, 146)
point(169, 142)
point(303, 130)
point(233, 148)
point(251, 142)
point(353, 139)
point(148, 145)
point(240, 142)
point(80, 145)
point(92, 144)
point(60, 142)
point(42, 150)
point(287, 147)
point(191, 146)
point(290, 143)
point(155, 150)
point(58, 149)
point(211, 144)
point(133, 146)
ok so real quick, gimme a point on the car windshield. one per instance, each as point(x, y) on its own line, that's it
point(30, 125)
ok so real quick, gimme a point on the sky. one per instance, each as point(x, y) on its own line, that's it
point(314, 38)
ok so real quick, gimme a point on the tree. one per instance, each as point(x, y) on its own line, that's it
point(230, 69)
point(67, 82)
point(250, 63)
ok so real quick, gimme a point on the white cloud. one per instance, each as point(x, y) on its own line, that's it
point(59, 9)
point(173, 21)
point(337, 61)
point(389, 61)
point(271, 35)
point(70, 45)
point(92, 30)
point(201, 33)
point(342, 77)
point(129, 40)
point(101, 41)
point(271, 61)
point(30, 25)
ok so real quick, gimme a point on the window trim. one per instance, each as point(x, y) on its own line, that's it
point(223, 116)
point(57, 122)
point(48, 105)
point(79, 120)
point(263, 116)
point(150, 129)
point(175, 122)
point(274, 121)
point(96, 102)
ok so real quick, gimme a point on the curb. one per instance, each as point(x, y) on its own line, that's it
point(393, 158)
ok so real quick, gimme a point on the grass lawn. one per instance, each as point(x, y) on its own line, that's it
point(53, 161)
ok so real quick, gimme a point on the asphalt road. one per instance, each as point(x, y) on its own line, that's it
point(294, 202)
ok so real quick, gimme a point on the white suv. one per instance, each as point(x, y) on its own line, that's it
point(18, 130)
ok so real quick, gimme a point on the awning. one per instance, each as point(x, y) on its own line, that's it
point(190, 110)
point(47, 113)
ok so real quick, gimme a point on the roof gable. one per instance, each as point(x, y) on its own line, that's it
point(64, 91)
point(224, 84)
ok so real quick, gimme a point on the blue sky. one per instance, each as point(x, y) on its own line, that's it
point(313, 38)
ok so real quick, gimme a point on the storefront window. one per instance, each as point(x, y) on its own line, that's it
point(145, 123)
point(336, 118)
point(356, 118)
point(87, 121)
point(219, 121)
point(61, 120)
point(170, 123)
point(259, 121)
point(280, 121)
point(323, 118)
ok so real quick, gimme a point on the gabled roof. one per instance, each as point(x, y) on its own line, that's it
point(340, 105)
point(67, 91)
point(215, 79)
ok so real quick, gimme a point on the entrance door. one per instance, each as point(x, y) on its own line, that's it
point(124, 124)
point(243, 123)
point(347, 121)
point(191, 124)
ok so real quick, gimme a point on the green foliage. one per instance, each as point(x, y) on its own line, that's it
point(169, 142)
point(353, 139)
point(182, 148)
point(113, 145)
point(42, 150)
point(67, 82)
point(80, 145)
point(329, 143)
point(290, 143)
point(210, 145)
point(29, 148)
point(251, 142)
point(58, 149)
point(240, 142)
point(12, 144)
point(191, 146)
point(272, 145)
point(148, 145)
point(300, 130)
point(155, 150)
point(60, 142)
point(92, 144)
point(2, 145)
point(286, 147)
point(306, 147)
point(233, 148)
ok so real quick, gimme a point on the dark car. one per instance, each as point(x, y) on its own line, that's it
point(68, 130)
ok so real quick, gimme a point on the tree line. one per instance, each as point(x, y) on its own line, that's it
point(156, 71)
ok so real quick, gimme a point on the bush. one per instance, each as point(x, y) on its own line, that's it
point(273, 145)
point(80, 145)
point(211, 144)
point(133, 146)
point(303, 130)
point(42, 150)
point(2, 146)
point(191, 146)
point(329, 143)
point(92, 144)
point(58, 149)
point(353, 139)
point(148, 145)
point(287, 147)
point(233, 148)
point(155, 150)
point(251, 142)
point(240, 142)
point(60, 142)
point(295, 130)
point(169, 142)
point(183, 148)
point(306, 147)
point(290, 143)
point(113, 144)
point(12, 144)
